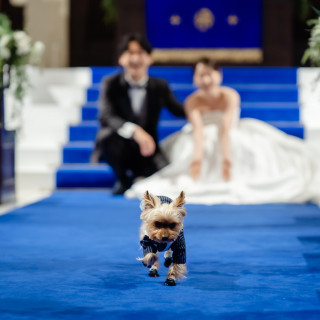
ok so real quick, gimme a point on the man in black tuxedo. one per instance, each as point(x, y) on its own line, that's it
point(130, 105)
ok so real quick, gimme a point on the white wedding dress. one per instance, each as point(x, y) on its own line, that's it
point(267, 166)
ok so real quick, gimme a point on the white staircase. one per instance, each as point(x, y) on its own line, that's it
point(51, 106)
point(309, 98)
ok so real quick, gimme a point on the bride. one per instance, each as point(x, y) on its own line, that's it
point(217, 158)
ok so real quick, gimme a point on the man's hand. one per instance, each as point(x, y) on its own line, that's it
point(226, 168)
point(146, 143)
point(195, 168)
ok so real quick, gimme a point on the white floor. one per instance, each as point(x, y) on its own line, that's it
point(23, 198)
point(54, 103)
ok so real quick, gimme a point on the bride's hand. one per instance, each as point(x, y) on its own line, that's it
point(195, 168)
point(226, 168)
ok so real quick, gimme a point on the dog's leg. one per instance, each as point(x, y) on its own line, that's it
point(168, 258)
point(154, 269)
point(175, 271)
point(151, 261)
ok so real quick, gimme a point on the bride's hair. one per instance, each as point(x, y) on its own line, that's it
point(208, 62)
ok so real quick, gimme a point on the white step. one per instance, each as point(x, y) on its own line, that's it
point(36, 180)
point(50, 113)
point(32, 157)
point(40, 136)
point(44, 124)
point(47, 82)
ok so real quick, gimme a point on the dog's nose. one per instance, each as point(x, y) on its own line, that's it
point(165, 238)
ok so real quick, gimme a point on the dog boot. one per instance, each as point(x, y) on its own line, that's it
point(167, 262)
point(170, 282)
point(153, 273)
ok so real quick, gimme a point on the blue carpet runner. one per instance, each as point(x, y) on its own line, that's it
point(267, 94)
point(73, 256)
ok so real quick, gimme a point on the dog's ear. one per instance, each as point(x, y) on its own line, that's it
point(179, 203)
point(150, 201)
point(143, 215)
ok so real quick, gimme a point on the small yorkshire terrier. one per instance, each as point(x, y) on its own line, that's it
point(162, 230)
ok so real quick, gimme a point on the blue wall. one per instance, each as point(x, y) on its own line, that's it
point(235, 23)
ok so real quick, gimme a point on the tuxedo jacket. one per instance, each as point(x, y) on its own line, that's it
point(115, 108)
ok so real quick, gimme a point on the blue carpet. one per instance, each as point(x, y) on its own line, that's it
point(73, 256)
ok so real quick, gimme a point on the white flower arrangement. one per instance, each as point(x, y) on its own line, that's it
point(17, 50)
point(312, 53)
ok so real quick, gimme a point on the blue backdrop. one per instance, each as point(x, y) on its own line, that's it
point(204, 23)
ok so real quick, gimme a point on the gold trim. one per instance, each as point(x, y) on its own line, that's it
point(236, 55)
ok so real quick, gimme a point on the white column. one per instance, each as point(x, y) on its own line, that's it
point(48, 21)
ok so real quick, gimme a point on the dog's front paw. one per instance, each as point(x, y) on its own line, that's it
point(170, 282)
point(167, 262)
point(153, 273)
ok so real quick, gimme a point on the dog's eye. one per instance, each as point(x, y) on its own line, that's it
point(172, 225)
point(158, 224)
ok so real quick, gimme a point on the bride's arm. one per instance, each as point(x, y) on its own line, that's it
point(194, 117)
point(232, 105)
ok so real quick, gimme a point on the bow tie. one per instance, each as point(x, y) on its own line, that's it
point(137, 86)
point(147, 242)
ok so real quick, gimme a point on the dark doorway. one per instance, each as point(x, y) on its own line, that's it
point(14, 13)
point(92, 41)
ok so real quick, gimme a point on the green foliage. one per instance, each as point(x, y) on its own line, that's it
point(316, 10)
point(5, 23)
point(312, 53)
point(303, 9)
point(110, 11)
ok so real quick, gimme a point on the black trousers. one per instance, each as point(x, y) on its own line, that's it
point(124, 156)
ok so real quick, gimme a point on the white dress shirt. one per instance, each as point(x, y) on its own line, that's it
point(137, 93)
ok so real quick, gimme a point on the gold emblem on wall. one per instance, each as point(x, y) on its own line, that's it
point(175, 20)
point(233, 20)
point(203, 19)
